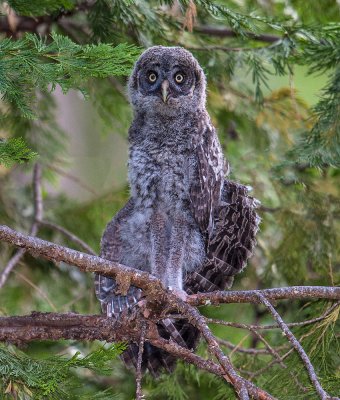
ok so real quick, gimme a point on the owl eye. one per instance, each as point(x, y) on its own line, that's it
point(179, 78)
point(152, 77)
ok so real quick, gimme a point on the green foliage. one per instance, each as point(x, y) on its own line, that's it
point(32, 63)
point(15, 150)
point(50, 378)
point(36, 8)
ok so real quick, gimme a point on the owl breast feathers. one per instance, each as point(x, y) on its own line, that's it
point(185, 222)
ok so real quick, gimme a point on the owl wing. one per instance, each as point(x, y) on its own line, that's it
point(205, 192)
point(231, 242)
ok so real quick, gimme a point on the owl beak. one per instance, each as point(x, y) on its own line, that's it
point(165, 90)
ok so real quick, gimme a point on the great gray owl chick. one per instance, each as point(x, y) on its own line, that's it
point(184, 223)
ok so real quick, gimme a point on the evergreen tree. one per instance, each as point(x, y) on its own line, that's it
point(274, 94)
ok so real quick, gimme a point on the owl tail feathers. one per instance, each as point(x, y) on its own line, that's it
point(230, 244)
point(156, 360)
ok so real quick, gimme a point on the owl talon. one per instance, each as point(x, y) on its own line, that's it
point(145, 311)
point(182, 294)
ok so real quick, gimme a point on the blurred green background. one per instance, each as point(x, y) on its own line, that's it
point(276, 107)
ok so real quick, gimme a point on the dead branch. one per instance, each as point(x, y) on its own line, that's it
point(54, 326)
point(38, 212)
point(151, 285)
point(251, 296)
point(296, 344)
point(273, 326)
point(227, 32)
point(71, 236)
point(139, 394)
point(87, 263)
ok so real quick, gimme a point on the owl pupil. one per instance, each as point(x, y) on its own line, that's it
point(179, 78)
point(152, 77)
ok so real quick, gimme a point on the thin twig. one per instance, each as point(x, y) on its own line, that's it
point(37, 288)
point(139, 394)
point(73, 178)
point(69, 235)
point(271, 350)
point(253, 351)
point(296, 344)
point(278, 358)
point(272, 326)
point(227, 32)
point(268, 366)
point(38, 212)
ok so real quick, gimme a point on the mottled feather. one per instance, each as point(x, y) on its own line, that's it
point(205, 193)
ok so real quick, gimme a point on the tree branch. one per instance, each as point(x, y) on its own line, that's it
point(251, 296)
point(151, 285)
point(227, 32)
point(54, 326)
point(252, 327)
point(38, 212)
point(139, 393)
point(50, 251)
point(296, 344)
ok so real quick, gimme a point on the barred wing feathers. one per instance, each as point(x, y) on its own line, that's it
point(205, 193)
point(231, 243)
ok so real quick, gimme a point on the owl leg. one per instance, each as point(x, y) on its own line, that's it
point(178, 243)
point(113, 248)
point(158, 246)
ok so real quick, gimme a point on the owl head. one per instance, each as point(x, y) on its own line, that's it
point(167, 80)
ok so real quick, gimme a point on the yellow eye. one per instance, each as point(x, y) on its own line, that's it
point(179, 78)
point(152, 77)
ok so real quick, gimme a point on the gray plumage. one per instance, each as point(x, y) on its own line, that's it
point(184, 222)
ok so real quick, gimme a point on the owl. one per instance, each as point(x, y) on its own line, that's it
point(185, 222)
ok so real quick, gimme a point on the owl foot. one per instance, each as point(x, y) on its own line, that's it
point(182, 294)
point(142, 305)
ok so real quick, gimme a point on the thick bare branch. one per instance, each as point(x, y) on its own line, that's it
point(251, 296)
point(102, 329)
point(243, 387)
point(151, 285)
point(54, 326)
point(83, 261)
